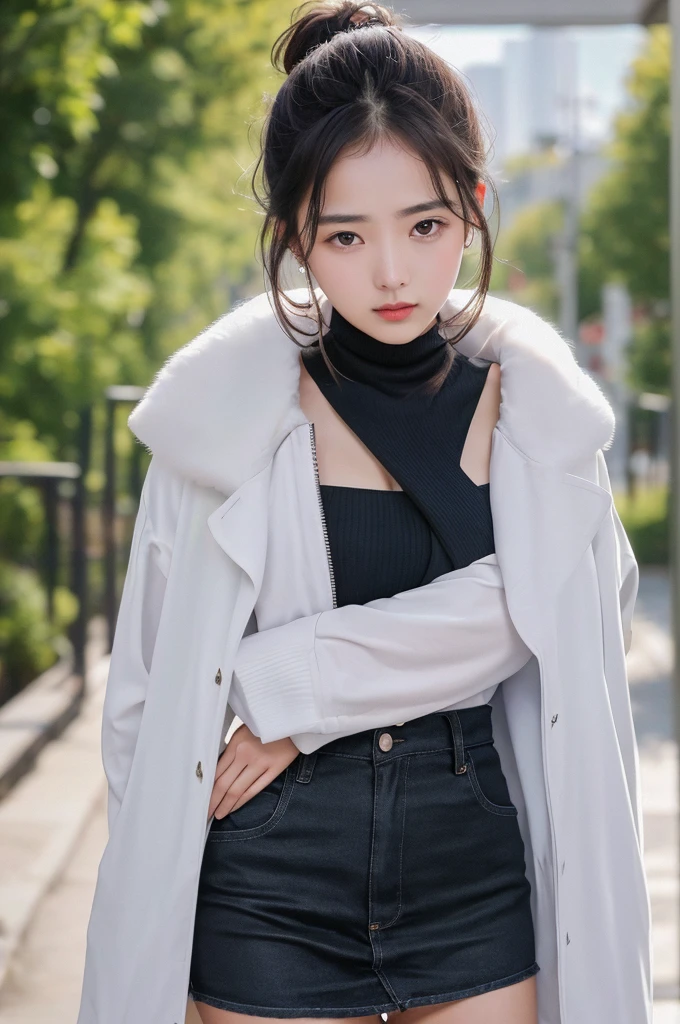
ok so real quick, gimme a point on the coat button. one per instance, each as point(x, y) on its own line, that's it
point(385, 741)
point(199, 770)
point(218, 676)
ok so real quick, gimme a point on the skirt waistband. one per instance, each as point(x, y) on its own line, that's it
point(454, 730)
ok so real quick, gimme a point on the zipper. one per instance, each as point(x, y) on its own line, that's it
point(312, 437)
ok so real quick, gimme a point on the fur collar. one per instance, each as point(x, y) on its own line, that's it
point(220, 405)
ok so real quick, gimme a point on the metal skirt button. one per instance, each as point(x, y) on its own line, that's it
point(385, 741)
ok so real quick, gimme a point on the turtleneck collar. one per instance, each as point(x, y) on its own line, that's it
point(393, 368)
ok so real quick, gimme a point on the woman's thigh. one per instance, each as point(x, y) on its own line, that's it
point(513, 1004)
point(211, 1015)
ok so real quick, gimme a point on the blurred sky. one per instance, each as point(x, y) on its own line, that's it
point(604, 56)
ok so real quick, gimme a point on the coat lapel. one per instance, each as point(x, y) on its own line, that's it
point(240, 524)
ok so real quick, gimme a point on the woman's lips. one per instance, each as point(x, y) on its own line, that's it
point(400, 313)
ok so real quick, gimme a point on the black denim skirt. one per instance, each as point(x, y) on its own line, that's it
point(386, 870)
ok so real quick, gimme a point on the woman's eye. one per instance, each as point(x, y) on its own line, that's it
point(427, 226)
point(344, 238)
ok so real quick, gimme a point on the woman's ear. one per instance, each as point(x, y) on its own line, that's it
point(480, 193)
point(295, 247)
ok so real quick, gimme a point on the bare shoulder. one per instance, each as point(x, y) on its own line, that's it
point(312, 401)
point(476, 454)
point(489, 405)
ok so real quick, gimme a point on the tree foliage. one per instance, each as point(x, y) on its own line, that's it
point(626, 233)
point(625, 228)
point(526, 253)
point(123, 231)
point(126, 128)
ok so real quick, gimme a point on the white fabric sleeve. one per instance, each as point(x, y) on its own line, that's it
point(361, 666)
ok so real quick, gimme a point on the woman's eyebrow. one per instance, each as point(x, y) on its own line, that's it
point(434, 204)
point(351, 218)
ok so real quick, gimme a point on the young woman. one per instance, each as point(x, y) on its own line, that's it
point(417, 600)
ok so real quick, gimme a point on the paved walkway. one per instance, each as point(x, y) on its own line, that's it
point(43, 983)
point(650, 662)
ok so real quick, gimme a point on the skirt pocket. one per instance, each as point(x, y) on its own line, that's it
point(259, 814)
point(487, 780)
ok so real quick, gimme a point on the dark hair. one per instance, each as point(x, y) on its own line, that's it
point(351, 83)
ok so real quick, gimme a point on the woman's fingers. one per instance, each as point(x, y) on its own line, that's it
point(237, 795)
point(231, 784)
point(229, 752)
point(245, 767)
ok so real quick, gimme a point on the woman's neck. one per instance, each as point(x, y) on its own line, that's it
point(396, 368)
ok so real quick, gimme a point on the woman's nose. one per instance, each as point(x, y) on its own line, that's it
point(391, 272)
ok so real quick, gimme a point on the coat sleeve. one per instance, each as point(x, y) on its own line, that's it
point(132, 650)
point(358, 666)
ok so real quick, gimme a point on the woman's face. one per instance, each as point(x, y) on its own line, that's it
point(385, 239)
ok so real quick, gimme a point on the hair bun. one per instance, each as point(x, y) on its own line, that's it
point(320, 23)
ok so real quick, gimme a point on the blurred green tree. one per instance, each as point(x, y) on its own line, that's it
point(530, 240)
point(625, 228)
point(125, 226)
point(123, 230)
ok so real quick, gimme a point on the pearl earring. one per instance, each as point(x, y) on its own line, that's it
point(301, 269)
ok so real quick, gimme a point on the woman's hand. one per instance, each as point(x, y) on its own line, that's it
point(245, 767)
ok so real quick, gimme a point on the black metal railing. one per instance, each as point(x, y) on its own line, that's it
point(50, 478)
point(115, 396)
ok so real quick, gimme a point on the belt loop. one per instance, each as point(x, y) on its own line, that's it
point(459, 765)
point(306, 767)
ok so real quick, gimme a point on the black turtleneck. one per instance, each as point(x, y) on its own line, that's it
point(395, 369)
point(384, 542)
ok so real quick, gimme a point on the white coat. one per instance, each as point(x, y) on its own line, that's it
point(229, 507)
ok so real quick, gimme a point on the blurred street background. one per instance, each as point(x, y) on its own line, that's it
point(127, 225)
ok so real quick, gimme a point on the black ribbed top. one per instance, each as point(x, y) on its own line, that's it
point(383, 542)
